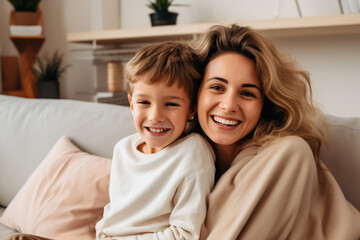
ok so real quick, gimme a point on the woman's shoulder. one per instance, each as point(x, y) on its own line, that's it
point(286, 150)
point(289, 143)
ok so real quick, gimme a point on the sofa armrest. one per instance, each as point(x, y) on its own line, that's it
point(342, 156)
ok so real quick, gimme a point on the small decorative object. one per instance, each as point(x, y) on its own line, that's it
point(162, 16)
point(26, 12)
point(26, 19)
point(48, 71)
point(115, 77)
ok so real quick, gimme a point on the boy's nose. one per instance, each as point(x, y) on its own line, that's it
point(156, 114)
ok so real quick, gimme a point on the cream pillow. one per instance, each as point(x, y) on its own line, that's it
point(64, 197)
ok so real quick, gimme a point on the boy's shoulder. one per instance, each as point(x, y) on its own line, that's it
point(129, 140)
point(193, 140)
point(194, 145)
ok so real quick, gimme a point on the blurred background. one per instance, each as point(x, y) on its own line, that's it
point(332, 58)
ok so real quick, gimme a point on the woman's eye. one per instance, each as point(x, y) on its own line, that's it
point(216, 88)
point(248, 94)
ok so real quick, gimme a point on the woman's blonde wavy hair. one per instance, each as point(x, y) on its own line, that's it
point(288, 107)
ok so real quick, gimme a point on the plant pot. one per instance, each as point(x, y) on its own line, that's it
point(163, 18)
point(48, 89)
point(25, 18)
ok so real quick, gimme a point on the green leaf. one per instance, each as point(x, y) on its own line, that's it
point(49, 68)
point(25, 5)
point(162, 5)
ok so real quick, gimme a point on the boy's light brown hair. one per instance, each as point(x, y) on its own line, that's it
point(169, 62)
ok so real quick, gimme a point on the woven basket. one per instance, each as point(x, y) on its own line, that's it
point(115, 77)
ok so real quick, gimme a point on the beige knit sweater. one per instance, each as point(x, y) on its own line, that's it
point(276, 192)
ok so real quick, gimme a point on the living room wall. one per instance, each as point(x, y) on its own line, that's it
point(332, 60)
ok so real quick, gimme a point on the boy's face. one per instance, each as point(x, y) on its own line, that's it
point(160, 113)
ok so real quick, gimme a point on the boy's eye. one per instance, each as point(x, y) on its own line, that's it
point(143, 102)
point(172, 104)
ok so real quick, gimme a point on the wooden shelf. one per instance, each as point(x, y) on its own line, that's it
point(28, 47)
point(321, 25)
point(28, 37)
point(17, 93)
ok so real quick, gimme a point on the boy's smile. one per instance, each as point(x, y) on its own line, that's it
point(157, 131)
point(160, 113)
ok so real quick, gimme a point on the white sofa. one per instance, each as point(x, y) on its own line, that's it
point(30, 127)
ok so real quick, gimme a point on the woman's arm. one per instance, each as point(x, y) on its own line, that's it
point(260, 196)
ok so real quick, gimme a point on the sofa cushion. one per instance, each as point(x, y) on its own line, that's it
point(342, 156)
point(64, 197)
point(4, 231)
point(30, 127)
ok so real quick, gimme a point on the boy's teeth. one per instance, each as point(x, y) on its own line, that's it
point(225, 121)
point(157, 130)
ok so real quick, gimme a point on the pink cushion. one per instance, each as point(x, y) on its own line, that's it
point(64, 197)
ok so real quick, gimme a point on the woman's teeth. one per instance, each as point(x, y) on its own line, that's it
point(227, 122)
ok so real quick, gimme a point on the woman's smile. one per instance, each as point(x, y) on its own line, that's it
point(230, 99)
point(225, 121)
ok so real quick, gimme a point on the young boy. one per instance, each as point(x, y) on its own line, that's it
point(160, 177)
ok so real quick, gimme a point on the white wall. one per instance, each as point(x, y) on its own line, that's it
point(333, 61)
point(334, 66)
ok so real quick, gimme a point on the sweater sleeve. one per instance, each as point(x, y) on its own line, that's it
point(260, 196)
point(189, 207)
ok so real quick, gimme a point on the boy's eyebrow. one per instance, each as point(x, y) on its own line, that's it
point(226, 81)
point(177, 98)
point(141, 95)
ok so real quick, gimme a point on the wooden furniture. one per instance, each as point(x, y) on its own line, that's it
point(28, 47)
point(10, 72)
point(320, 25)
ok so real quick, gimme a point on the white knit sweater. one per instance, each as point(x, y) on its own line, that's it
point(160, 195)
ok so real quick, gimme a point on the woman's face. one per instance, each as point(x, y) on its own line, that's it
point(230, 99)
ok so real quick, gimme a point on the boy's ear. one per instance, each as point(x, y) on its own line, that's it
point(192, 113)
point(191, 116)
point(130, 102)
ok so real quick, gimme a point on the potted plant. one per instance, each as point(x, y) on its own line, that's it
point(48, 71)
point(26, 12)
point(162, 16)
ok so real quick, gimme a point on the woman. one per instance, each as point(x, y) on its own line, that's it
point(255, 108)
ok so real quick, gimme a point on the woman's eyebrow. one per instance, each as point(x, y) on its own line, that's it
point(218, 78)
point(251, 85)
point(226, 81)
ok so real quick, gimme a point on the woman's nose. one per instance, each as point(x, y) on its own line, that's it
point(156, 114)
point(228, 102)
